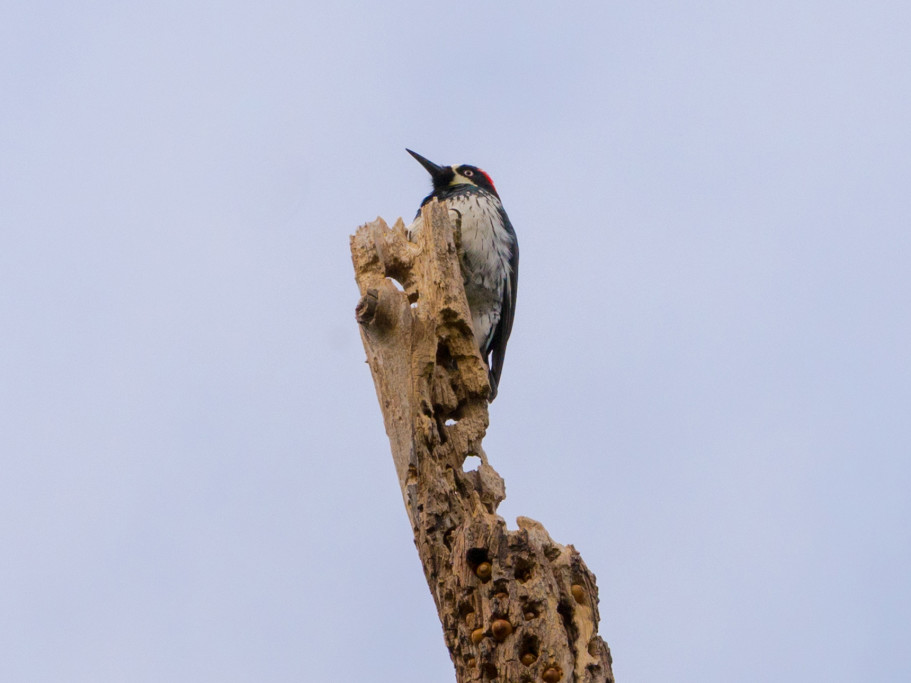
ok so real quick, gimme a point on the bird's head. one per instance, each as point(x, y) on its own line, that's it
point(447, 176)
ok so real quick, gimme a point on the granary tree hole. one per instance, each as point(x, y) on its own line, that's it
point(475, 556)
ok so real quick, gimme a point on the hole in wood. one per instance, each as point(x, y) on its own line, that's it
point(531, 609)
point(444, 357)
point(476, 557)
point(528, 649)
point(466, 607)
point(397, 284)
point(447, 538)
point(500, 586)
point(565, 610)
point(551, 552)
point(441, 430)
point(523, 569)
point(471, 463)
point(451, 422)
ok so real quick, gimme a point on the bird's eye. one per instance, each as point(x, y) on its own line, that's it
point(467, 173)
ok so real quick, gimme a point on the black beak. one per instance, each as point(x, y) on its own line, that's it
point(433, 169)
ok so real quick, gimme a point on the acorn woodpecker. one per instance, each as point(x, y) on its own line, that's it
point(488, 255)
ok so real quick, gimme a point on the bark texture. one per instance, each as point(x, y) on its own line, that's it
point(515, 606)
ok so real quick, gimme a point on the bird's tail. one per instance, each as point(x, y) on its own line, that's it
point(493, 386)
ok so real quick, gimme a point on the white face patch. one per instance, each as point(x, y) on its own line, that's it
point(459, 179)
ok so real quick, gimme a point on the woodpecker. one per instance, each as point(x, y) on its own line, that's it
point(488, 255)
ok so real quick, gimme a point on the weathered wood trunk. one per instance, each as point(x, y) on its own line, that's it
point(515, 606)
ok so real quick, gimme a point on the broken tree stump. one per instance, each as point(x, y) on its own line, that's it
point(515, 606)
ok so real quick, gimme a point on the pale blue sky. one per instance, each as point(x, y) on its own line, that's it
point(708, 386)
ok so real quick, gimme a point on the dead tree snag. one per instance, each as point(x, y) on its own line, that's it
point(515, 606)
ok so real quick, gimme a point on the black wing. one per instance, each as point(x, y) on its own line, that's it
point(507, 313)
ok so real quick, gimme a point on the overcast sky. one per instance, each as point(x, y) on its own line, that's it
point(708, 385)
